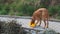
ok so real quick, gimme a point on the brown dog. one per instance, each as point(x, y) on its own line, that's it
point(40, 14)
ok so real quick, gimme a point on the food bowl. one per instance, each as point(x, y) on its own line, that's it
point(32, 25)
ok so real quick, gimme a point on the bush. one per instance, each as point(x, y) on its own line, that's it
point(11, 28)
point(54, 10)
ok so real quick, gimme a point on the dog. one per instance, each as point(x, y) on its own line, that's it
point(40, 14)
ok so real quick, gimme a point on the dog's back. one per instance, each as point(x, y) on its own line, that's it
point(40, 13)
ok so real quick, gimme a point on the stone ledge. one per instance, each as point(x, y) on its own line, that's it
point(27, 17)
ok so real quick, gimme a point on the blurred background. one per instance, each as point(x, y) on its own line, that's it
point(27, 7)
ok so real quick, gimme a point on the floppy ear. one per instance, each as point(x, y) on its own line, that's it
point(32, 20)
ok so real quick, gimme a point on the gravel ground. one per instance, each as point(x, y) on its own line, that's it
point(25, 22)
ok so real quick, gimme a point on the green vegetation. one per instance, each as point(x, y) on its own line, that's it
point(54, 11)
point(27, 7)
